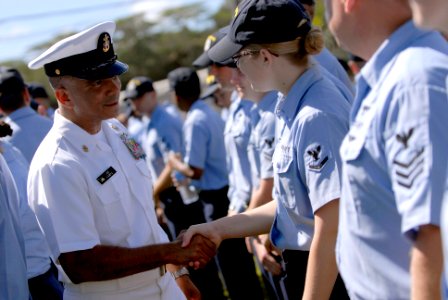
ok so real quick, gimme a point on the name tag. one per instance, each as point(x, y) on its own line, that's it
point(106, 175)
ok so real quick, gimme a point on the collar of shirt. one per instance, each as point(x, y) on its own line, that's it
point(198, 104)
point(268, 101)
point(397, 41)
point(287, 107)
point(21, 113)
point(371, 73)
point(73, 133)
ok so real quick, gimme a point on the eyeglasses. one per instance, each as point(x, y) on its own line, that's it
point(236, 58)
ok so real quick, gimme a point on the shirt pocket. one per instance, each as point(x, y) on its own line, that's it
point(112, 218)
point(283, 163)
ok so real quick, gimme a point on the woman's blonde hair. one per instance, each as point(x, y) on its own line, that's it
point(299, 49)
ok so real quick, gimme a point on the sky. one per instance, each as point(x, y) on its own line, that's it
point(38, 21)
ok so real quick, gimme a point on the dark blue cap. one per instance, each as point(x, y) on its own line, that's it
point(262, 22)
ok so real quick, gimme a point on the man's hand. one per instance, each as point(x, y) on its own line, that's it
point(266, 258)
point(197, 253)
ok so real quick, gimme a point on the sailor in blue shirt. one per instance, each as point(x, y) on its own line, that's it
point(262, 139)
point(271, 42)
point(205, 163)
point(29, 127)
point(395, 157)
point(13, 280)
point(162, 135)
point(236, 136)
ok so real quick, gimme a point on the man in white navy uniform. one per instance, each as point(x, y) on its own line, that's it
point(91, 189)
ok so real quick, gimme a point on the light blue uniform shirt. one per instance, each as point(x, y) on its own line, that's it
point(29, 129)
point(311, 122)
point(204, 146)
point(236, 137)
point(444, 228)
point(164, 134)
point(13, 280)
point(262, 138)
point(327, 60)
point(36, 250)
point(395, 158)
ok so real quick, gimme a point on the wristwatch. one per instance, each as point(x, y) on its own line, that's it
point(181, 272)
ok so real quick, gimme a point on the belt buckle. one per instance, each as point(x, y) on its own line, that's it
point(162, 270)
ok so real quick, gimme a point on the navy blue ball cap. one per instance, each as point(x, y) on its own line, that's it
point(182, 80)
point(11, 82)
point(262, 22)
point(204, 60)
point(138, 86)
point(36, 90)
point(86, 55)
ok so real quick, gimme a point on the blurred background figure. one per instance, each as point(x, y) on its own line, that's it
point(29, 128)
point(13, 272)
point(218, 72)
point(125, 109)
point(204, 162)
point(41, 272)
point(40, 96)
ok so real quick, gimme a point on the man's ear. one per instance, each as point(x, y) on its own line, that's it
point(26, 96)
point(63, 97)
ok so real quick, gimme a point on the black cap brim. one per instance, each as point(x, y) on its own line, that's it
point(223, 51)
point(202, 61)
point(107, 71)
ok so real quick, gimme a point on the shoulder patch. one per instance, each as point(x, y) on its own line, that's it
point(316, 158)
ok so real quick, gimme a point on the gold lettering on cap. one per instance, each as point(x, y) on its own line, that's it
point(106, 43)
point(237, 10)
point(57, 71)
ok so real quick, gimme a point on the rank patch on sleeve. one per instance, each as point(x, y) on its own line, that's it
point(409, 162)
point(106, 175)
point(269, 142)
point(317, 159)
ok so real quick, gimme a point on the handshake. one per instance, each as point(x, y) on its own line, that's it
point(196, 246)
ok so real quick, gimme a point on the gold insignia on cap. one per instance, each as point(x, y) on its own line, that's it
point(210, 79)
point(106, 43)
point(57, 71)
point(208, 42)
point(303, 21)
point(114, 127)
point(85, 148)
point(237, 10)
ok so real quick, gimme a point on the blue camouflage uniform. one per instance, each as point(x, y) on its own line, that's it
point(395, 158)
point(236, 136)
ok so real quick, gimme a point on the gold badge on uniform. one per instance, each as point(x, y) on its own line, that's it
point(85, 148)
